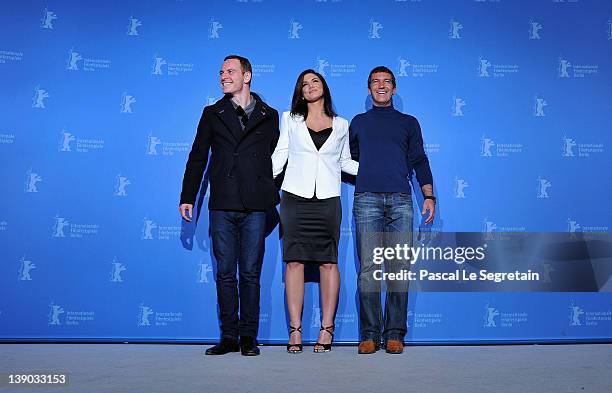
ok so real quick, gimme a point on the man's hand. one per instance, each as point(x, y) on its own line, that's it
point(188, 208)
point(430, 205)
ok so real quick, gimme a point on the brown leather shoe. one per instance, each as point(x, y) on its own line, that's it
point(367, 347)
point(395, 346)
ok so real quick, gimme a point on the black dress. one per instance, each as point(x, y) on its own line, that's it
point(311, 227)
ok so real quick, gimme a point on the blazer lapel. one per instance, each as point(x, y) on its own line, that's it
point(303, 129)
point(333, 133)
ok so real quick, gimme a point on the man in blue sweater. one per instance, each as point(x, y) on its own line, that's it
point(389, 146)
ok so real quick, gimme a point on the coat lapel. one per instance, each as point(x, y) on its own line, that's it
point(258, 115)
point(227, 114)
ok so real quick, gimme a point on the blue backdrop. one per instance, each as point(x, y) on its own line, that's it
point(100, 102)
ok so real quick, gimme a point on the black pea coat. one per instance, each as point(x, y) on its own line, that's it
point(240, 174)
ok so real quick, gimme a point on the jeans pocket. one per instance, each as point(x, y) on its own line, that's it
point(404, 197)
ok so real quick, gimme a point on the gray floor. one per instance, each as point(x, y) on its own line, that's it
point(184, 368)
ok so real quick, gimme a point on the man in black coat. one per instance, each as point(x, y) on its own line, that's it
point(241, 132)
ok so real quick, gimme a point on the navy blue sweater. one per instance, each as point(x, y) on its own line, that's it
point(388, 145)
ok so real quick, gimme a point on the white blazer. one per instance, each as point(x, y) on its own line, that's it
point(307, 166)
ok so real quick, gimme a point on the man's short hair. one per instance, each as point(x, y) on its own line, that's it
point(245, 64)
point(381, 69)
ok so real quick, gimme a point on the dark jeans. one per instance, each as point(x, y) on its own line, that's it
point(382, 220)
point(238, 242)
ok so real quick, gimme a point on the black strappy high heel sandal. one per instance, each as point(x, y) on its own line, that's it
point(295, 348)
point(319, 347)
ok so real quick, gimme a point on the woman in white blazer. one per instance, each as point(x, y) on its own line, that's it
point(314, 144)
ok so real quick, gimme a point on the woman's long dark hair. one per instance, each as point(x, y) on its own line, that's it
point(299, 106)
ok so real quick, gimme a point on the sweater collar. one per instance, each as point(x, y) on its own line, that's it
point(382, 109)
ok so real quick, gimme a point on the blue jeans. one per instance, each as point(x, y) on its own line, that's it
point(382, 220)
point(238, 240)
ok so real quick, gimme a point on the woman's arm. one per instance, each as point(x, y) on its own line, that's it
point(347, 164)
point(281, 153)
